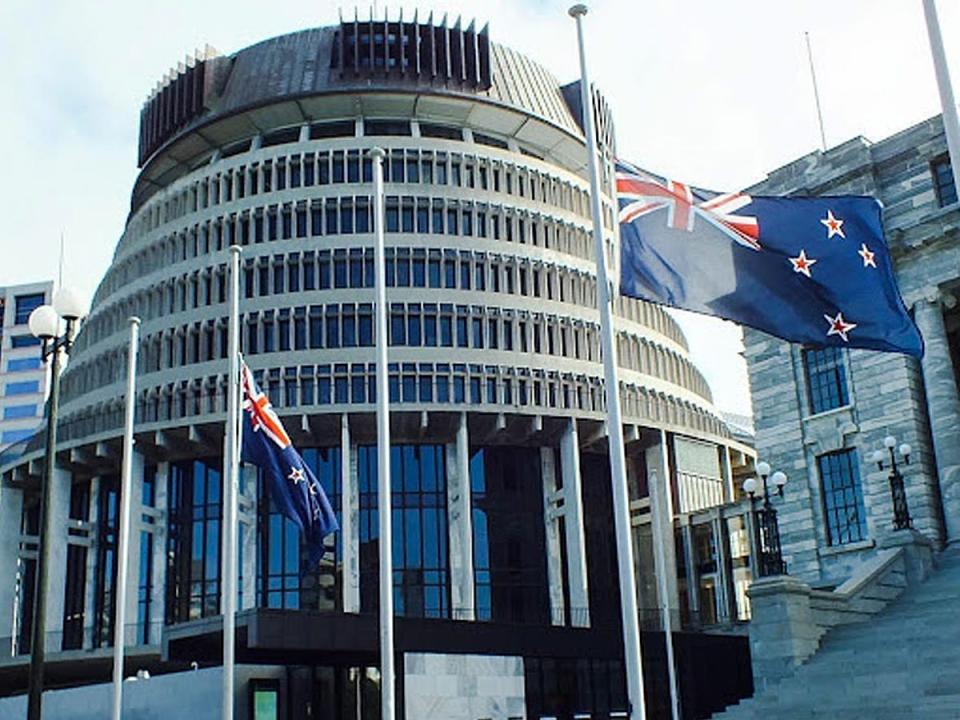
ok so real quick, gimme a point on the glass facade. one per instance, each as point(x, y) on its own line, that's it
point(282, 579)
point(421, 571)
point(148, 497)
point(105, 579)
point(842, 497)
point(193, 540)
point(508, 535)
point(74, 593)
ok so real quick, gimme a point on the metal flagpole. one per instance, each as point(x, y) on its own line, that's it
point(618, 476)
point(661, 514)
point(123, 549)
point(951, 124)
point(383, 450)
point(816, 91)
point(231, 474)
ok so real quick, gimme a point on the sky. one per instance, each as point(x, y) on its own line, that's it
point(715, 93)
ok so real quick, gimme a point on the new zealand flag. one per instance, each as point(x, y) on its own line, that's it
point(808, 270)
point(293, 487)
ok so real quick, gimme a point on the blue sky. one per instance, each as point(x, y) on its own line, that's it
point(715, 93)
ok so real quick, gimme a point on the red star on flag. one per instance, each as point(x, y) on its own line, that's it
point(839, 326)
point(867, 256)
point(834, 225)
point(801, 263)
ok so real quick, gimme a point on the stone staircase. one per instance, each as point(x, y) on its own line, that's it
point(901, 664)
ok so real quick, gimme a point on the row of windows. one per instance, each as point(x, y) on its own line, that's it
point(350, 325)
point(25, 387)
point(342, 269)
point(440, 383)
point(349, 215)
point(410, 165)
point(22, 364)
point(14, 412)
point(26, 304)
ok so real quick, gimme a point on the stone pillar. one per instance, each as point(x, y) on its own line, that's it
point(349, 519)
point(158, 589)
point(693, 574)
point(460, 525)
point(782, 630)
point(248, 536)
point(57, 542)
point(552, 512)
point(573, 525)
point(11, 509)
point(943, 407)
point(132, 633)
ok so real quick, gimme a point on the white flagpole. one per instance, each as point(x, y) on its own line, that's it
point(951, 124)
point(633, 660)
point(816, 92)
point(126, 490)
point(385, 509)
point(231, 474)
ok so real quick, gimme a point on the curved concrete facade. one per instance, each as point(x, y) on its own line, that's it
point(493, 327)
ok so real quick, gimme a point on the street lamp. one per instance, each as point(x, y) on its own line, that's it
point(765, 520)
point(44, 323)
point(901, 513)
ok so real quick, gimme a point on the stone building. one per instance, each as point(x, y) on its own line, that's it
point(505, 565)
point(821, 414)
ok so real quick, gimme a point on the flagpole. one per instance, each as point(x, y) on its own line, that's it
point(123, 548)
point(231, 473)
point(633, 661)
point(383, 450)
point(951, 124)
point(816, 92)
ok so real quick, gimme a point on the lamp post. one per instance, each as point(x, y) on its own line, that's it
point(901, 513)
point(765, 520)
point(45, 324)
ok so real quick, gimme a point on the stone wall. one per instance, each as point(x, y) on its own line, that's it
point(463, 687)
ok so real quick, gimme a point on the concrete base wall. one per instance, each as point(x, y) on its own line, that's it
point(463, 687)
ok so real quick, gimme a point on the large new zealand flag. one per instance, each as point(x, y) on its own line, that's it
point(808, 270)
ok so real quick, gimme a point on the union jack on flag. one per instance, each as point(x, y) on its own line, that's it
point(809, 270)
point(294, 489)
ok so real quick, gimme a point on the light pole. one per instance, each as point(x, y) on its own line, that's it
point(901, 513)
point(765, 521)
point(45, 324)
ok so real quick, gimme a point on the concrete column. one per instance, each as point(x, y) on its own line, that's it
point(460, 525)
point(661, 511)
point(573, 525)
point(11, 509)
point(159, 577)
point(349, 519)
point(131, 632)
point(90, 598)
point(943, 407)
point(551, 515)
point(57, 542)
point(248, 536)
point(726, 468)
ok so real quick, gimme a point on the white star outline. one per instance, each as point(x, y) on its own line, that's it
point(296, 475)
point(867, 255)
point(834, 225)
point(801, 263)
point(839, 326)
